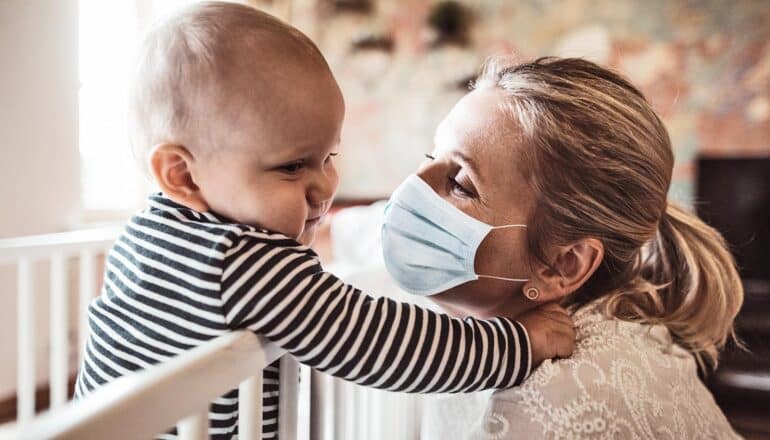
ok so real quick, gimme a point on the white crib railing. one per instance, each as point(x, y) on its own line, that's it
point(57, 249)
point(178, 391)
point(139, 405)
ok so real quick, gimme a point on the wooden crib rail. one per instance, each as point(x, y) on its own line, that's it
point(176, 392)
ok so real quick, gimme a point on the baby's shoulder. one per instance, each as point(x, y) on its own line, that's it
point(243, 237)
point(249, 246)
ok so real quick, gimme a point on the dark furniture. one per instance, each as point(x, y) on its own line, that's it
point(733, 195)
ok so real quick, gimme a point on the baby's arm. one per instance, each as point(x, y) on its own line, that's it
point(281, 292)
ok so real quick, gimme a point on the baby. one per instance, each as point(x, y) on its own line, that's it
point(238, 117)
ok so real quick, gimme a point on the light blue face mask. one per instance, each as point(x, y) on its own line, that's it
point(429, 245)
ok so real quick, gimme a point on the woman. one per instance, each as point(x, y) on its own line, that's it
point(549, 182)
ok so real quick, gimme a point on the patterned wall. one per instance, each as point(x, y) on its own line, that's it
point(704, 65)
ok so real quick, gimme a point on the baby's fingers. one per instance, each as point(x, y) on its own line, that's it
point(557, 313)
point(563, 341)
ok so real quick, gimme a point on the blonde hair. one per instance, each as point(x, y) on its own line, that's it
point(600, 162)
point(188, 57)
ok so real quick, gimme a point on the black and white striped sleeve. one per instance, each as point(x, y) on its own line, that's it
point(282, 292)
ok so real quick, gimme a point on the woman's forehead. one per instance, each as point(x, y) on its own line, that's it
point(478, 128)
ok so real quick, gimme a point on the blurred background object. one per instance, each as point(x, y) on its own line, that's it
point(733, 195)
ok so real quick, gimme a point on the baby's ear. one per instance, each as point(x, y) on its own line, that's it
point(571, 267)
point(171, 166)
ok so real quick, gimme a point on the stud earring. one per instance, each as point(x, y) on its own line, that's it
point(532, 293)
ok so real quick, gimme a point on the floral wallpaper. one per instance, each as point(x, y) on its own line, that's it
point(704, 65)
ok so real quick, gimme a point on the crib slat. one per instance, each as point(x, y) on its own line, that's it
point(87, 290)
point(59, 331)
point(194, 427)
point(346, 399)
point(304, 404)
point(289, 394)
point(250, 408)
point(322, 407)
point(363, 408)
point(25, 404)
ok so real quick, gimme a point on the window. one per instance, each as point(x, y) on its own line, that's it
point(110, 31)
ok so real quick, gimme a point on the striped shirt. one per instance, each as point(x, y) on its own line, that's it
point(176, 278)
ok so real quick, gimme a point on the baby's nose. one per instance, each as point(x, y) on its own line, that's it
point(323, 189)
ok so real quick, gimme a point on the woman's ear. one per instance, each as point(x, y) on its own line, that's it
point(171, 165)
point(571, 267)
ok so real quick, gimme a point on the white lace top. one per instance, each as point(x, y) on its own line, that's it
point(624, 380)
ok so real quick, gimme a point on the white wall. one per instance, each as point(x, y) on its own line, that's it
point(39, 177)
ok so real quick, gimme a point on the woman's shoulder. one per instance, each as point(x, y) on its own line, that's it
point(624, 380)
point(611, 357)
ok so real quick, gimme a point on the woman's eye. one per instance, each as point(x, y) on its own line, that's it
point(329, 157)
point(456, 187)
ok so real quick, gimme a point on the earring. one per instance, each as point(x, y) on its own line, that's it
point(532, 293)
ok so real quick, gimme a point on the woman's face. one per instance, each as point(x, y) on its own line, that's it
point(476, 169)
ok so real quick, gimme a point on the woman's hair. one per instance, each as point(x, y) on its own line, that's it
point(600, 161)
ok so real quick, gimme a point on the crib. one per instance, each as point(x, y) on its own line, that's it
point(312, 405)
point(146, 403)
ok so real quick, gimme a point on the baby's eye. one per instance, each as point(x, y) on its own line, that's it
point(292, 168)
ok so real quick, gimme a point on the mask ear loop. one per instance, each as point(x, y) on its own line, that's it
point(517, 280)
point(508, 226)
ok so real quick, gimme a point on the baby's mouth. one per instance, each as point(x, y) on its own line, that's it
point(315, 219)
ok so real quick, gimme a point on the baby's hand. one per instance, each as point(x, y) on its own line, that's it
point(551, 332)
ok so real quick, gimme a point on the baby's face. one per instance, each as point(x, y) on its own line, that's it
point(273, 164)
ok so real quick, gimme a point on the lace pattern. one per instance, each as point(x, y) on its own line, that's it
point(625, 380)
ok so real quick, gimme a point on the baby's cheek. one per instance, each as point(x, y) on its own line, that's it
point(286, 211)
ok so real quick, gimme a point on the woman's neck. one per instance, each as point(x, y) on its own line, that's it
point(510, 306)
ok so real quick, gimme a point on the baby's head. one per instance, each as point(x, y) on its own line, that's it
point(237, 113)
